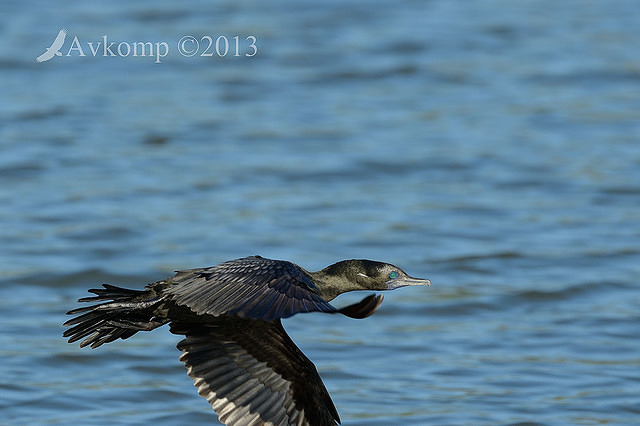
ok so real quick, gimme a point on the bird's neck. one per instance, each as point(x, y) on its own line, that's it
point(330, 286)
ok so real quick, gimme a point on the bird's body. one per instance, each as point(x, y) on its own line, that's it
point(235, 348)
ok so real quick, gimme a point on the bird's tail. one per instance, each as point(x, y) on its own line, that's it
point(123, 313)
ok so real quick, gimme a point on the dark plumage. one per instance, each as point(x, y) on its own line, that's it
point(235, 348)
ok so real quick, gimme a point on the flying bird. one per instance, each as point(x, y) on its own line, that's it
point(235, 348)
point(54, 50)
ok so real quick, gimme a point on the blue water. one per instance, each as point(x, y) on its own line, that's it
point(490, 146)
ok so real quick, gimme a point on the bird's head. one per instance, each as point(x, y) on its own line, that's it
point(361, 274)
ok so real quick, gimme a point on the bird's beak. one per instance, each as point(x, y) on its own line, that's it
point(405, 281)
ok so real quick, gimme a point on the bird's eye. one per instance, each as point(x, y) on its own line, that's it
point(393, 275)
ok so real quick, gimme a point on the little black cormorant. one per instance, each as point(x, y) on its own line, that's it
point(235, 348)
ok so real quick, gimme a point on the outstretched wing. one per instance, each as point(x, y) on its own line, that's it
point(45, 56)
point(252, 287)
point(59, 41)
point(363, 308)
point(252, 373)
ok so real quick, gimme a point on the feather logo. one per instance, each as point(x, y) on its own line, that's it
point(54, 50)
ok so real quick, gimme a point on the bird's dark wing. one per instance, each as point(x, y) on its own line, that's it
point(252, 287)
point(363, 308)
point(252, 373)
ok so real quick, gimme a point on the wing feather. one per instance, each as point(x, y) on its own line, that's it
point(252, 287)
point(252, 373)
